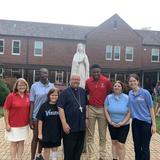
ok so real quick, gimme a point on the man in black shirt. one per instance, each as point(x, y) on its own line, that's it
point(72, 111)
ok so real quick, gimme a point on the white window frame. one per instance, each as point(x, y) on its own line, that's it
point(3, 46)
point(119, 48)
point(38, 55)
point(1, 72)
point(19, 47)
point(57, 77)
point(126, 53)
point(155, 54)
point(106, 52)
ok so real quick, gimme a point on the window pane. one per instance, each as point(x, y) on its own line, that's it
point(129, 53)
point(1, 46)
point(38, 51)
point(39, 44)
point(154, 58)
point(155, 55)
point(1, 49)
point(1, 43)
point(15, 50)
point(108, 52)
point(129, 56)
point(116, 52)
point(16, 47)
point(38, 47)
point(16, 44)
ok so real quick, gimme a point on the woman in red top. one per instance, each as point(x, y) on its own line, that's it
point(16, 114)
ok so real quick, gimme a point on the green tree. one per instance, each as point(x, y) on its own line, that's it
point(3, 92)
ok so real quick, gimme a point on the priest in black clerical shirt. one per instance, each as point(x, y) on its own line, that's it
point(72, 105)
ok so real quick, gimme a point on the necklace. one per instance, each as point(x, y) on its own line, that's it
point(77, 100)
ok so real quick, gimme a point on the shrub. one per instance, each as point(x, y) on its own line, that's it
point(3, 92)
point(10, 82)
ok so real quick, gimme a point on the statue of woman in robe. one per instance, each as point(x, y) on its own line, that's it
point(80, 64)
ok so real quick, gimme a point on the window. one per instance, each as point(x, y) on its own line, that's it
point(16, 47)
point(1, 72)
point(129, 53)
point(155, 55)
point(115, 24)
point(108, 52)
point(38, 48)
point(59, 77)
point(117, 51)
point(1, 46)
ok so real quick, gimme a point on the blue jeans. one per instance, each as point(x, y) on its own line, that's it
point(141, 132)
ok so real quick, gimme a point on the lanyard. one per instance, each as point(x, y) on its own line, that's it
point(77, 100)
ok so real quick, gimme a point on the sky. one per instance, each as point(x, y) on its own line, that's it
point(139, 14)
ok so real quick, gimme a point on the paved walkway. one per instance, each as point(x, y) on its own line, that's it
point(155, 147)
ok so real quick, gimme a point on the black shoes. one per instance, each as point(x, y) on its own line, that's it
point(40, 157)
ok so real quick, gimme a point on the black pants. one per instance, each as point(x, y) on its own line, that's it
point(141, 132)
point(73, 145)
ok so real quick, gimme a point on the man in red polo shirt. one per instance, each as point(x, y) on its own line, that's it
point(97, 87)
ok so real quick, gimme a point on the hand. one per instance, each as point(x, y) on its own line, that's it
point(120, 124)
point(40, 136)
point(117, 125)
point(66, 128)
point(8, 128)
point(31, 124)
point(111, 123)
point(153, 129)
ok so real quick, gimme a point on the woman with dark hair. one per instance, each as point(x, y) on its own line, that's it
point(143, 118)
point(49, 125)
point(16, 115)
point(118, 115)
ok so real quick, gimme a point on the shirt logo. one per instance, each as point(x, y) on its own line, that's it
point(140, 99)
point(102, 85)
point(51, 113)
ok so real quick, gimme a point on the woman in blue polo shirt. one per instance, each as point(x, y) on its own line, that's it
point(143, 123)
point(118, 115)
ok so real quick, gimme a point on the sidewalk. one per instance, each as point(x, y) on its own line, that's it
point(155, 147)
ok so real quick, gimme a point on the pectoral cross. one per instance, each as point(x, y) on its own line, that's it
point(81, 109)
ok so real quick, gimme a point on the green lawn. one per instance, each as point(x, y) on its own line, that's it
point(1, 112)
point(158, 124)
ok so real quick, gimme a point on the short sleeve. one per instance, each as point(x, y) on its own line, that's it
point(40, 114)
point(8, 101)
point(32, 94)
point(148, 99)
point(106, 102)
point(62, 100)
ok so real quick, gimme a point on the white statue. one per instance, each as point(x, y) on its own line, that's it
point(80, 64)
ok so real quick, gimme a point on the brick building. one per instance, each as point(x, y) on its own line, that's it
point(119, 49)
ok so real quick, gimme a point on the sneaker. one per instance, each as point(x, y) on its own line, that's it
point(40, 157)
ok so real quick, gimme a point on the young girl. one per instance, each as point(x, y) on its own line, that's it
point(143, 119)
point(49, 125)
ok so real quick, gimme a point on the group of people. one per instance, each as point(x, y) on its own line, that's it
point(72, 114)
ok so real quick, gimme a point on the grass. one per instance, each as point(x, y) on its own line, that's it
point(158, 124)
point(1, 112)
